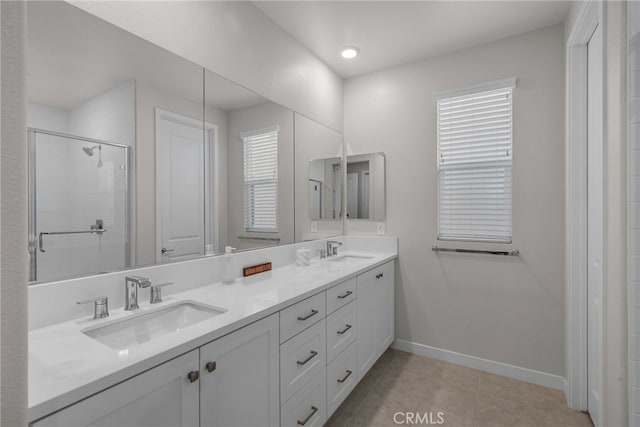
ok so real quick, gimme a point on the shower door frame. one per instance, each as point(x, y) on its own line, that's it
point(33, 239)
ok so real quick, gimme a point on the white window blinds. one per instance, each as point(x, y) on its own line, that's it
point(475, 166)
point(261, 180)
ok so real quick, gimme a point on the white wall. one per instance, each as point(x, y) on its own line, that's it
point(13, 218)
point(237, 41)
point(506, 309)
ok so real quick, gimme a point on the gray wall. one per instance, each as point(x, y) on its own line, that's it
point(507, 309)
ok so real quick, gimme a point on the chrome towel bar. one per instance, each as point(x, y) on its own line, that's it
point(268, 239)
point(513, 252)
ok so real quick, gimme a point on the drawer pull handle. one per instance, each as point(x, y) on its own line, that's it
point(345, 329)
point(311, 414)
point(211, 366)
point(311, 356)
point(345, 295)
point(341, 380)
point(313, 313)
point(193, 376)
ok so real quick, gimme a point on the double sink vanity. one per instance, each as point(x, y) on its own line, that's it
point(284, 347)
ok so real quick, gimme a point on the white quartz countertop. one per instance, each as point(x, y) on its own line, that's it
point(65, 365)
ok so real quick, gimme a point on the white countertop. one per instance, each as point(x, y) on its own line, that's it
point(66, 365)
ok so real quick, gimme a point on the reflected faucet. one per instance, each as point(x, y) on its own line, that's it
point(131, 285)
point(332, 247)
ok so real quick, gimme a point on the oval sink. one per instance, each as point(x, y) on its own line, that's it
point(146, 326)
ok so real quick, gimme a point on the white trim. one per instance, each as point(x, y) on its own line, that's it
point(576, 205)
point(481, 87)
point(491, 366)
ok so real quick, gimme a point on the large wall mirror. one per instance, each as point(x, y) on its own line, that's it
point(138, 156)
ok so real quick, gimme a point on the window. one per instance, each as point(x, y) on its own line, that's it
point(261, 180)
point(475, 130)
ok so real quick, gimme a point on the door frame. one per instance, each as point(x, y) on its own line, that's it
point(210, 135)
point(576, 332)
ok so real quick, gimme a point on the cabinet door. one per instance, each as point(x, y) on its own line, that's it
point(162, 396)
point(375, 308)
point(366, 306)
point(242, 388)
point(385, 333)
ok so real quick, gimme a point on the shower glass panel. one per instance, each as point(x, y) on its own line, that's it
point(78, 213)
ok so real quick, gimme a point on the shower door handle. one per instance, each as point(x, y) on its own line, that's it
point(165, 250)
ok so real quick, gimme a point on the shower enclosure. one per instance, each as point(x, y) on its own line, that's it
point(79, 220)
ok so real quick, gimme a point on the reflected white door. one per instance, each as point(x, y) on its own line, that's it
point(315, 199)
point(352, 195)
point(595, 216)
point(180, 191)
point(366, 200)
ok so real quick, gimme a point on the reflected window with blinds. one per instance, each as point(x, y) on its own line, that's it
point(475, 161)
point(260, 149)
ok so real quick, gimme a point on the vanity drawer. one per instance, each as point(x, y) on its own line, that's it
point(300, 316)
point(341, 378)
point(301, 358)
point(341, 329)
point(340, 295)
point(308, 407)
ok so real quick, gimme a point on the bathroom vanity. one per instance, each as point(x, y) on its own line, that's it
point(283, 349)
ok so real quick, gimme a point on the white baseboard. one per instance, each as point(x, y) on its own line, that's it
point(490, 366)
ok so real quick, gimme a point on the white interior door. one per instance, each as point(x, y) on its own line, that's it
point(180, 191)
point(352, 195)
point(315, 199)
point(595, 203)
point(337, 191)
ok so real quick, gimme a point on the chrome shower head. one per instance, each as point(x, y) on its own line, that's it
point(89, 150)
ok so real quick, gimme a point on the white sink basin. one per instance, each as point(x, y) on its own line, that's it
point(348, 257)
point(147, 326)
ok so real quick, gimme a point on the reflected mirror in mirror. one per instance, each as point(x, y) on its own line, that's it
point(366, 186)
point(94, 94)
point(251, 204)
point(325, 179)
point(318, 180)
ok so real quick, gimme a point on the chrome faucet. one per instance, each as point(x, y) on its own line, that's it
point(131, 285)
point(332, 247)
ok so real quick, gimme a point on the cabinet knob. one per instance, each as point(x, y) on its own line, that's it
point(211, 366)
point(193, 376)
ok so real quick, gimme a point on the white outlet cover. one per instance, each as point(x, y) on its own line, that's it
point(381, 228)
point(314, 227)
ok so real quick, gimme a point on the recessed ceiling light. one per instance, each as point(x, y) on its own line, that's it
point(349, 52)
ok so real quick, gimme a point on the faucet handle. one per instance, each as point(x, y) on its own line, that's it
point(156, 292)
point(100, 307)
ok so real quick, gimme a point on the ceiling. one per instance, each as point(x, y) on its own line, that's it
point(73, 56)
point(390, 33)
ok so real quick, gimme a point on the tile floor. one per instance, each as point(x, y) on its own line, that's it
point(403, 382)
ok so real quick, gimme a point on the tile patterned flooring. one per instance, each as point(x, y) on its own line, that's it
point(403, 382)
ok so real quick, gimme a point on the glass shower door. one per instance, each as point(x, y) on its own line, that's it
point(79, 213)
